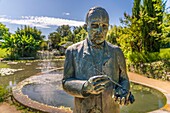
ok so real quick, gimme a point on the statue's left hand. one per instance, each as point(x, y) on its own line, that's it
point(121, 96)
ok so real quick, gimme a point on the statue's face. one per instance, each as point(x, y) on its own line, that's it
point(97, 27)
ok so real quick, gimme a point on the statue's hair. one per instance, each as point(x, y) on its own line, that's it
point(99, 10)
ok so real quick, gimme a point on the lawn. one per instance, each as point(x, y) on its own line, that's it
point(165, 53)
point(165, 50)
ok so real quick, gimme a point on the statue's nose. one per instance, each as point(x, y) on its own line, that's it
point(100, 29)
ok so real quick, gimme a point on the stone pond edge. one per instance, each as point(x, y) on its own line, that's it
point(25, 101)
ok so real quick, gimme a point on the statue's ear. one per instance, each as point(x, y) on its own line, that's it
point(85, 27)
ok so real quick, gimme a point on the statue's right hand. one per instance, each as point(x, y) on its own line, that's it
point(95, 84)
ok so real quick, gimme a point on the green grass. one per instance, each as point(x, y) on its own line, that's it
point(3, 93)
point(165, 50)
point(165, 53)
point(3, 53)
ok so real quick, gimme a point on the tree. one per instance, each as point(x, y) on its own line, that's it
point(65, 33)
point(79, 33)
point(113, 34)
point(152, 11)
point(136, 9)
point(144, 27)
point(4, 32)
point(130, 36)
point(24, 43)
point(54, 39)
point(29, 31)
point(166, 31)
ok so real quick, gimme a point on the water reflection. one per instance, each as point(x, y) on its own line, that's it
point(146, 99)
point(48, 94)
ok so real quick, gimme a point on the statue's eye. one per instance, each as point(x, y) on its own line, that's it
point(105, 26)
point(94, 25)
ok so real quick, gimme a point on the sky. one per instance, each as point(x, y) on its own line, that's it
point(46, 15)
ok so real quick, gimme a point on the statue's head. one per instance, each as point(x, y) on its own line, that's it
point(97, 20)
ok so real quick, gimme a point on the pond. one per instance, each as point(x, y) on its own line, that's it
point(28, 69)
point(146, 100)
point(49, 85)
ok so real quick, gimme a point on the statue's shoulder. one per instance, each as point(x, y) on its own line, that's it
point(76, 46)
point(114, 47)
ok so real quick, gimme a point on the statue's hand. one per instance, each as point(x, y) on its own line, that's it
point(95, 84)
point(121, 96)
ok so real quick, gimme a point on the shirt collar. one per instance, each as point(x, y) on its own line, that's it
point(94, 46)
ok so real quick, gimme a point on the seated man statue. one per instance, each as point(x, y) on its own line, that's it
point(95, 70)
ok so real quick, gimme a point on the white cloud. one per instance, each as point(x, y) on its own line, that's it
point(67, 14)
point(42, 22)
point(3, 15)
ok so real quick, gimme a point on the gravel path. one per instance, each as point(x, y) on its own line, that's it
point(7, 108)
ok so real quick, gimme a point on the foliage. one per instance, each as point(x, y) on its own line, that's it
point(30, 31)
point(24, 43)
point(62, 43)
point(3, 53)
point(54, 39)
point(136, 9)
point(156, 70)
point(166, 31)
point(21, 46)
point(165, 50)
point(155, 65)
point(165, 54)
point(65, 32)
point(64, 36)
point(143, 30)
point(3, 93)
point(141, 36)
point(4, 32)
point(130, 38)
point(152, 24)
point(137, 57)
point(113, 34)
point(44, 45)
point(79, 34)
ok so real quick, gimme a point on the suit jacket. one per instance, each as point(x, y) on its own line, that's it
point(78, 68)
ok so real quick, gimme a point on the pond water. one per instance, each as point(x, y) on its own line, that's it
point(147, 99)
point(28, 69)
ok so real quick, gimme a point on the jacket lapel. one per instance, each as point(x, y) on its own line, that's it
point(107, 54)
point(87, 56)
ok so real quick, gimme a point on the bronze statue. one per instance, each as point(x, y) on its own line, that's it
point(95, 70)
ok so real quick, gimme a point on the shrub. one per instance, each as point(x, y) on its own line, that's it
point(137, 57)
point(155, 65)
point(3, 93)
